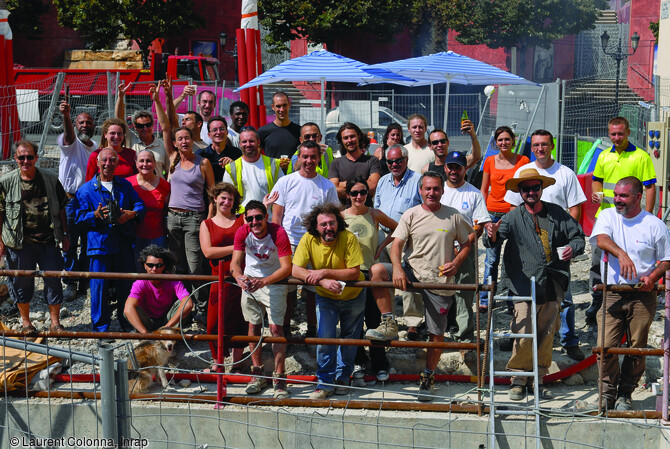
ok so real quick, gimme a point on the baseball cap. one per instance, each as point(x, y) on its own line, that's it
point(456, 157)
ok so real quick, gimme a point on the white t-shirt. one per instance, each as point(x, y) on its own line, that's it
point(262, 255)
point(254, 180)
point(73, 161)
point(566, 192)
point(644, 238)
point(297, 195)
point(417, 159)
point(234, 137)
point(157, 147)
point(468, 200)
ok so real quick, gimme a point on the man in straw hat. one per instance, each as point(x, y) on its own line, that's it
point(542, 238)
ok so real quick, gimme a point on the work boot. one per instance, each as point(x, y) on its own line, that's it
point(70, 292)
point(257, 383)
point(387, 330)
point(279, 384)
point(593, 309)
point(426, 387)
point(623, 404)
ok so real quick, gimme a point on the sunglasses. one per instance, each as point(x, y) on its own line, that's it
point(528, 189)
point(356, 193)
point(143, 125)
point(310, 136)
point(437, 142)
point(395, 161)
point(28, 157)
point(252, 218)
point(154, 265)
point(247, 128)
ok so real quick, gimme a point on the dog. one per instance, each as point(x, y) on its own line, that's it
point(152, 356)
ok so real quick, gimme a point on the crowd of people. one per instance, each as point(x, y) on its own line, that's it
point(262, 205)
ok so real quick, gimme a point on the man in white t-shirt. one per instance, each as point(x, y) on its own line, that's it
point(429, 232)
point(254, 175)
point(263, 249)
point(635, 241)
point(418, 148)
point(75, 149)
point(568, 194)
point(297, 195)
point(469, 201)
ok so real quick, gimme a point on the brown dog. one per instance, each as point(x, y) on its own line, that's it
point(152, 356)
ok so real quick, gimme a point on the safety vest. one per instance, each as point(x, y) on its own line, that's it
point(271, 173)
point(322, 168)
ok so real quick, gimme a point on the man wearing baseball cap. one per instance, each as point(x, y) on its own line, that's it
point(469, 201)
point(535, 231)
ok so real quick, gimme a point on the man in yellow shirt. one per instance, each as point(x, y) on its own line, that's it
point(335, 255)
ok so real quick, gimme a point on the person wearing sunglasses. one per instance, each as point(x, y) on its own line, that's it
point(534, 231)
point(497, 170)
point(311, 131)
point(142, 137)
point(392, 136)
point(396, 192)
point(439, 143)
point(567, 193)
point(364, 222)
point(217, 235)
point(33, 226)
point(152, 304)
point(261, 257)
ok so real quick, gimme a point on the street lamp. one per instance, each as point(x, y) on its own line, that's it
point(223, 38)
point(619, 55)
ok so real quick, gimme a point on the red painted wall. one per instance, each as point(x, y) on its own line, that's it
point(496, 57)
point(640, 65)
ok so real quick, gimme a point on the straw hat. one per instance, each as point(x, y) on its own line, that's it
point(527, 175)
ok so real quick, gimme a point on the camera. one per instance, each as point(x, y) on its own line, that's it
point(113, 213)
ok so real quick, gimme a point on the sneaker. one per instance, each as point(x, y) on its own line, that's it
point(387, 330)
point(358, 376)
point(544, 393)
point(574, 353)
point(70, 292)
point(623, 404)
point(426, 387)
point(256, 384)
point(517, 392)
point(342, 387)
point(320, 394)
point(382, 375)
point(279, 385)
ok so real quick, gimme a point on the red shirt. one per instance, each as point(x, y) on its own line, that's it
point(153, 224)
point(127, 164)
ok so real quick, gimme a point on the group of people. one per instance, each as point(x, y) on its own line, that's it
point(263, 205)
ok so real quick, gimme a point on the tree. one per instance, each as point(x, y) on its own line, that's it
point(512, 23)
point(103, 21)
point(25, 16)
point(325, 21)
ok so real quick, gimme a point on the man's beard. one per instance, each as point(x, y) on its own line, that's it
point(329, 236)
point(85, 138)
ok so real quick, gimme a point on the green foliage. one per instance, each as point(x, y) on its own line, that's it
point(103, 21)
point(25, 16)
point(512, 23)
point(326, 21)
point(653, 26)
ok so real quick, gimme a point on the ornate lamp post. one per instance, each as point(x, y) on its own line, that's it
point(619, 55)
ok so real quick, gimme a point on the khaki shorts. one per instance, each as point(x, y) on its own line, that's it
point(270, 299)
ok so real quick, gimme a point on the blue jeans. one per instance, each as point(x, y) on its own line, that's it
point(567, 331)
point(491, 264)
point(336, 363)
point(141, 243)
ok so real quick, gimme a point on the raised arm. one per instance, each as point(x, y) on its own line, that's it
point(169, 103)
point(163, 120)
point(120, 109)
point(476, 149)
point(68, 135)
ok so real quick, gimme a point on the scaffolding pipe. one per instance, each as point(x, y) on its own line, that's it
point(647, 352)
point(108, 395)
point(205, 278)
point(326, 403)
point(30, 346)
